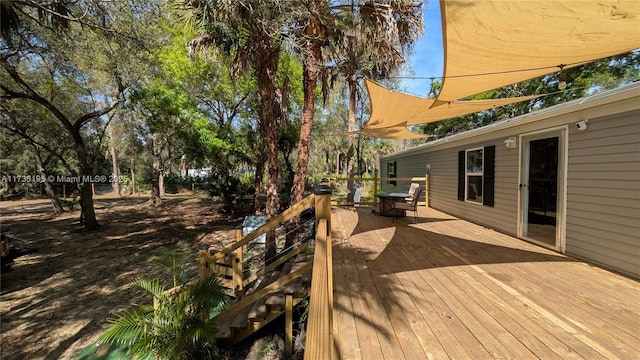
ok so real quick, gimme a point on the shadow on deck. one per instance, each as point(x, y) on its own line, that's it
point(449, 289)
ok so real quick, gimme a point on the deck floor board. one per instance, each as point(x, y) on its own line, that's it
point(445, 288)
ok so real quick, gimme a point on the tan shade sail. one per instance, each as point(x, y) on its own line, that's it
point(392, 108)
point(396, 109)
point(397, 133)
point(490, 44)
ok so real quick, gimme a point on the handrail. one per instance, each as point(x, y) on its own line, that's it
point(274, 222)
point(298, 249)
point(275, 286)
point(320, 342)
point(424, 180)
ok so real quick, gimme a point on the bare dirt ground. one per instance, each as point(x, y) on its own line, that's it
point(55, 302)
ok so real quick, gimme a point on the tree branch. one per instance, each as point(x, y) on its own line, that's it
point(30, 94)
point(27, 137)
point(94, 114)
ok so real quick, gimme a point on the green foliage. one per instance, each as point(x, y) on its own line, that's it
point(313, 180)
point(178, 325)
point(172, 262)
point(103, 352)
point(246, 183)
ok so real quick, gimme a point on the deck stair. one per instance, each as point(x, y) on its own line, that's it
point(246, 317)
point(264, 293)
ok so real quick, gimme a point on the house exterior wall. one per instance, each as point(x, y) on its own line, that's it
point(603, 192)
point(602, 175)
point(443, 184)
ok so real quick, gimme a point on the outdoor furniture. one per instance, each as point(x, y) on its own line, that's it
point(387, 201)
point(412, 188)
point(411, 206)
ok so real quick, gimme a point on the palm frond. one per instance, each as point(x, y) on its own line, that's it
point(208, 295)
point(152, 287)
point(127, 328)
point(173, 261)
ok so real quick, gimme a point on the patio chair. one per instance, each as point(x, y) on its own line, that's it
point(410, 206)
point(412, 188)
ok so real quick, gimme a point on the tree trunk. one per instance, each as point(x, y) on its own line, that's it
point(114, 162)
point(266, 70)
point(55, 201)
point(315, 34)
point(86, 198)
point(327, 162)
point(228, 197)
point(258, 182)
point(161, 166)
point(133, 175)
point(350, 150)
point(155, 180)
point(161, 183)
point(87, 212)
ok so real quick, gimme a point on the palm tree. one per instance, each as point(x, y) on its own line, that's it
point(368, 38)
point(252, 31)
point(178, 324)
point(374, 45)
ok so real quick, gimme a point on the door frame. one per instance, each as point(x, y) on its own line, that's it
point(562, 132)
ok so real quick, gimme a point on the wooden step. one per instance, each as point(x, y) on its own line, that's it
point(241, 320)
point(224, 329)
point(269, 307)
point(275, 299)
point(302, 257)
point(259, 309)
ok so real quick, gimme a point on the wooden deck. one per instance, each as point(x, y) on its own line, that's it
point(448, 289)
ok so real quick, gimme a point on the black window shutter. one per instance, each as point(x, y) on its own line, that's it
point(461, 175)
point(489, 175)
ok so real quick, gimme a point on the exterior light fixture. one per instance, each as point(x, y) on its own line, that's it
point(582, 125)
point(510, 143)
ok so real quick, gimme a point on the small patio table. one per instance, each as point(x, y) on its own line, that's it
point(387, 200)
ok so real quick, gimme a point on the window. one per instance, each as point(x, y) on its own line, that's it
point(391, 171)
point(474, 166)
point(476, 175)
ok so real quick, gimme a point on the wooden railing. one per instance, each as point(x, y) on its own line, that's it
point(375, 186)
point(320, 341)
point(229, 262)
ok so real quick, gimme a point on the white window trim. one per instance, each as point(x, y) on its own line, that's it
point(467, 174)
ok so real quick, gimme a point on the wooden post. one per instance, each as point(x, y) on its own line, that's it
point(375, 190)
point(64, 190)
point(203, 256)
point(426, 190)
point(238, 267)
point(320, 340)
point(323, 201)
point(93, 189)
point(288, 325)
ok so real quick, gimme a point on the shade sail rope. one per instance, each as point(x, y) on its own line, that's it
point(564, 66)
